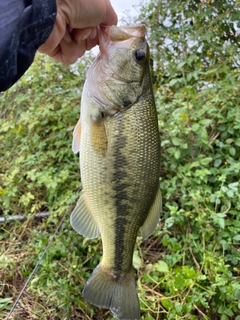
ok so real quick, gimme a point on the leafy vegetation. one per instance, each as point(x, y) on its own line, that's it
point(190, 268)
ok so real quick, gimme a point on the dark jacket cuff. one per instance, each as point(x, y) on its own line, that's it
point(24, 27)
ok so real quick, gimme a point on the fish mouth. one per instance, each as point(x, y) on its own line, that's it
point(124, 33)
point(117, 35)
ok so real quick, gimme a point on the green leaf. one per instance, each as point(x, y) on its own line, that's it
point(179, 282)
point(189, 77)
point(195, 164)
point(177, 142)
point(167, 304)
point(232, 151)
point(205, 122)
point(234, 185)
point(237, 142)
point(161, 266)
point(230, 193)
point(190, 272)
point(236, 238)
point(217, 163)
point(165, 142)
point(177, 154)
point(5, 300)
point(165, 240)
point(149, 317)
point(221, 222)
point(137, 262)
point(173, 82)
point(205, 161)
point(195, 127)
point(178, 307)
point(181, 64)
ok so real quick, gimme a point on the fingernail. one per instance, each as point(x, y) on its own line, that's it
point(86, 35)
point(93, 34)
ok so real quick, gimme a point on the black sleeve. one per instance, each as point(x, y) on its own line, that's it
point(24, 26)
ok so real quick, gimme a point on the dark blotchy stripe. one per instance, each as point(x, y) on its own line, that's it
point(120, 187)
point(119, 244)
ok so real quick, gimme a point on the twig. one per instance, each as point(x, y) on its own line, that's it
point(194, 259)
point(153, 291)
point(214, 138)
point(204, 316)
point(23, 218)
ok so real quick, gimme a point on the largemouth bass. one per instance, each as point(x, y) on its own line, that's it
point(118, 140)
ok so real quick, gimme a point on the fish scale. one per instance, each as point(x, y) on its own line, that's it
point(119, 163)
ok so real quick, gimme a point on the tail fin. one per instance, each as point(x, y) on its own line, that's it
point(105, 290)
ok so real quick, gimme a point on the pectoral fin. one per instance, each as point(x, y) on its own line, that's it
point(76, 137)
point(153, 216)
point(99, 137)
point(83, 221)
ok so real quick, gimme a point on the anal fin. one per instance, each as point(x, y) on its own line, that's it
point(83, 221)
point(153, 216)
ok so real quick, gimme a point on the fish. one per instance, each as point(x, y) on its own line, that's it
point(117, 137)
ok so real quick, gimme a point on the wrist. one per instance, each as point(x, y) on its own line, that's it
point(59, 28)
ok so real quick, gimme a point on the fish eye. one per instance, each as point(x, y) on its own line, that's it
point(140, 55)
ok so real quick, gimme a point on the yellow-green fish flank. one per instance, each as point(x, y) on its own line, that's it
point(118, 139)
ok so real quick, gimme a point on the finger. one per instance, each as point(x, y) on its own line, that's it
point(111, 16)
point(67, 53)
point(67, 36)
point(90, 43)
point(81, 34)
point(85, 40)
point(93, 34)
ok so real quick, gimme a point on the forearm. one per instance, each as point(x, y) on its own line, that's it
point(24, 27)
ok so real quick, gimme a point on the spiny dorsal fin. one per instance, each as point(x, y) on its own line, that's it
point(83, 221)
point(153, 216)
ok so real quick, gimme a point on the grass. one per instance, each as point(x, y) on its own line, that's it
point(55, 290)
point(50, 294)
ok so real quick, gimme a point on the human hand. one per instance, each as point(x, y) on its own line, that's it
point(75, 29)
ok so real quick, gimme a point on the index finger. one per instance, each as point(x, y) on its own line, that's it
point(111, 16)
